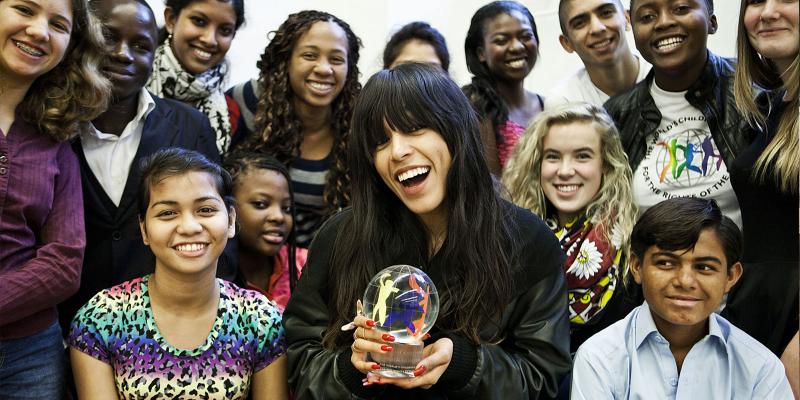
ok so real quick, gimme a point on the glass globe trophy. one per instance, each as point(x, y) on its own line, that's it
point(404, 303)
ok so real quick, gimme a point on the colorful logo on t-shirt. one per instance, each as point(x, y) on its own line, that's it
point(683, 160)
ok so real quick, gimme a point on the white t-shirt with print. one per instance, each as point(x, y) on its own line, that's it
point(682, 159)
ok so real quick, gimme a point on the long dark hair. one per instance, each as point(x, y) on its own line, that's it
point(479, 244)
point(238, 163)
point(278, 129)
point(482, 91)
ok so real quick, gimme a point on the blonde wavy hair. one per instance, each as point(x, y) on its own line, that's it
point(75, 91)
point(614, 200)
point(783, 151)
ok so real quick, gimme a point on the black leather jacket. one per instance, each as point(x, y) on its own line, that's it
point(528, 363)
point(636, 115)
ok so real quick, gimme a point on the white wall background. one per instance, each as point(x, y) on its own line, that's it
point(374, 21)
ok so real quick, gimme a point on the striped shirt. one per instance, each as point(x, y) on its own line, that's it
point(308, 183)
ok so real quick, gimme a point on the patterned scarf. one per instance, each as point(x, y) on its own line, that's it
point(591, 267)
point(204, 90)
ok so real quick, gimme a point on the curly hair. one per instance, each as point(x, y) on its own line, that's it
point(783, 151)
point(279, 131)
point(75, 91)
point(420, 31)
point(482, 91)
point(614, 200)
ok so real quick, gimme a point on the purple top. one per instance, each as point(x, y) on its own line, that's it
point(41, 228)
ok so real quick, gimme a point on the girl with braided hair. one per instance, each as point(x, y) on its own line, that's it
point(306, 90)
point(501, 47)
point(266, 258)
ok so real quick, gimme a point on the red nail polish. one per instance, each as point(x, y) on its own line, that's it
point(387, 337)
point(419, 371)
point(376, 366)
point(386, 347)
point(370, 323)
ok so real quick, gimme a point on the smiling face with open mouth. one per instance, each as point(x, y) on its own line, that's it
point(34, 37)
point(318, 65)
point(683, 287)
point(415, 166)
point(202, 33)
point(673, 36)
point(264, 209)
point(509, 46)
point(187, 223)
point(572, 168)
point(595, 30)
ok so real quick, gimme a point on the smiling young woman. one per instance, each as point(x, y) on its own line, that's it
point(570, 169)
point(190, 65)
point(501, 47)
point(425, 197)
point(180, 329)
point(45, 47)
point(299, 110)
point(765, 303)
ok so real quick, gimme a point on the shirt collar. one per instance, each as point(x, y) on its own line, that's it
point(144, 107)
point(646, 326)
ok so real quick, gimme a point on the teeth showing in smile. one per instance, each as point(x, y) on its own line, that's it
point(516, 63)
point(320, 86)
point(601, 44)
point(412, 173)
point(204, 55)
point(669, 43)
point(190, 247)
point(567, 188)
point(28, 49)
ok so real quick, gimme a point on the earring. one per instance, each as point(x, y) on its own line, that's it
point(169, 37)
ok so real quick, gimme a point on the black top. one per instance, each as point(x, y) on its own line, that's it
point(529, 362)
point(764, 302)
point(115, 252)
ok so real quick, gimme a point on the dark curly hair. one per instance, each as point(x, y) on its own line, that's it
point(278, 129)
point(420, 31)
point(482, 91)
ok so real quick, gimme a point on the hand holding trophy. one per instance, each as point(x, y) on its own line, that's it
point(403, 302)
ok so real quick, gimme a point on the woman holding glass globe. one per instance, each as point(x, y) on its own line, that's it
point(422, 195)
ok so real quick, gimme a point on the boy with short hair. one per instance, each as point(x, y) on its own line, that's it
point(596, 30)
point(680, 126)
point(685, 254)
point(135, 125)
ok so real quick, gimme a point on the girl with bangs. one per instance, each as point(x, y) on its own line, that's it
point(502, 326)
point(570, 169)
point(50, 85)
point(299, 111)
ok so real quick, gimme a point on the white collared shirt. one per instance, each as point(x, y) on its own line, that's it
point(110, 156)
